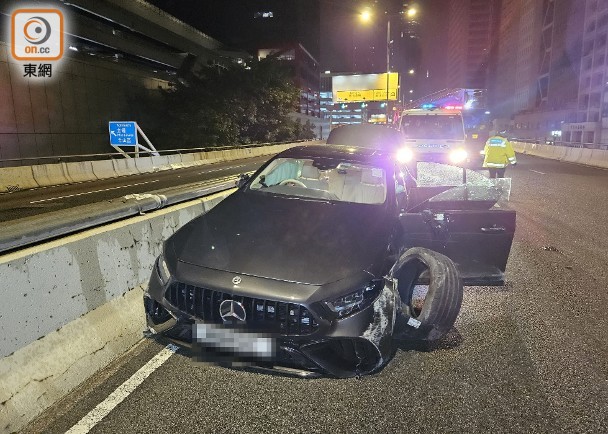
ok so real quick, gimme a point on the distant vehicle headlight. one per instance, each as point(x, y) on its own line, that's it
point(356, 301)
point(458, 155)
point(163, 270)
point(405, 155)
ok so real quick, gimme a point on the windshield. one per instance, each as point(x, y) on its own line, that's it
point(325, 179)
point(432, 126)
point(440, 183)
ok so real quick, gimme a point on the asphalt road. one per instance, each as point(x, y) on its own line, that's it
point(36, 201)
point(528, 357)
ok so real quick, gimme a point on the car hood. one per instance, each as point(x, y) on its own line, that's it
point(286, 238)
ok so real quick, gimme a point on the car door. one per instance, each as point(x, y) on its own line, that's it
point(477, 241)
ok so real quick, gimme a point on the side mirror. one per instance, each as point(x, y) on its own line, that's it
point(243, 178)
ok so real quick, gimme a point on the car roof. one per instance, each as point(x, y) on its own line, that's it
point(366, 136)
point(336, 151)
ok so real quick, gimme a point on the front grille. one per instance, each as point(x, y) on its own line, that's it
point(268, 315)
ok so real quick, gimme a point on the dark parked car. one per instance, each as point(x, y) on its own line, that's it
point(322, 256)
point(366, 136)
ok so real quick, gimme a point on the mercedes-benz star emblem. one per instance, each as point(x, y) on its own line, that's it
point(231, 310)
point(236, 280)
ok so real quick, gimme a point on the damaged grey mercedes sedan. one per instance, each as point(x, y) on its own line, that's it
point(316, 262)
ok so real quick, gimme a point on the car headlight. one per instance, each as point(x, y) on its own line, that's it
point(356, 301)
point(405, 155)
point(458, 155)
point(162, 270)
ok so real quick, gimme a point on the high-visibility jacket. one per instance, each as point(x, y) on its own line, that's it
point(498, 153)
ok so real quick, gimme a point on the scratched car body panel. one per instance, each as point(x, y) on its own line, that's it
point(313, 264)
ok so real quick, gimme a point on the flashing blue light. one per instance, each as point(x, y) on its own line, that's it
point(428, 106)
point(383, 105)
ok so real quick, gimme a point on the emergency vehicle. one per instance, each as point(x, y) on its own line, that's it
point(435, 134)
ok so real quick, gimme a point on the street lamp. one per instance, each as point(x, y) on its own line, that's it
point(366, 16)
point(388, 63)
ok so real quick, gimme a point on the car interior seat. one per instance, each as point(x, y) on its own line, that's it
point(372, 188)
point(352, 183)
point(311, 177)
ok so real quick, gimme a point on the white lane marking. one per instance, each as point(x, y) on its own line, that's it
point(536, 171)
point(219, 170)
point(104, 408)
point(95, 191)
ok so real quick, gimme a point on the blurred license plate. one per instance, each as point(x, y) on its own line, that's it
point(234, 341)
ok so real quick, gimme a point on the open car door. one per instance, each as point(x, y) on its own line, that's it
point(463, 223)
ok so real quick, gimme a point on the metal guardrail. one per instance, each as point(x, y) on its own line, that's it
point(44, 227)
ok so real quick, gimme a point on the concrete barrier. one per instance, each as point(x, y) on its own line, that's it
point(65, 173)
point(103, 169)
point(50, 174)
point(74, 305)
point(573, 155)
point(80, 171)
point(588, 157)
point(145, 164)
point(599, 158)
point(162, 163)
point(125, 167)
point(175, 162)
point(226, 155)
point(548, 150)
point(256, 152)
point(174, 159)
point(560, 152)
point(215, 155)
point(188, 159)
point(17, 178)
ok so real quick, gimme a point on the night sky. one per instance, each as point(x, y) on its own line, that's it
point(292, 21)
point(329, 29)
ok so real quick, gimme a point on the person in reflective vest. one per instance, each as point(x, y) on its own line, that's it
point(498, 154)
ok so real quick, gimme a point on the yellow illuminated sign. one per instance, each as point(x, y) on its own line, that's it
point(365, 95)
point(365, 87)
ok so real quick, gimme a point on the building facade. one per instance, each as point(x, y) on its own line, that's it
point(590, 127)
point(472, 29)
point(540, 59)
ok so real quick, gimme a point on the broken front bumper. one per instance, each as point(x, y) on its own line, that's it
point(358, 344)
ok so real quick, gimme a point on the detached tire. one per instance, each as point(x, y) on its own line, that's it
point(443, 299)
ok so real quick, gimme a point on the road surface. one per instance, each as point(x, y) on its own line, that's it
point(528, 357)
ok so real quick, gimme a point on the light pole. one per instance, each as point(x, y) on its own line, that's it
point(388, 63)
point(366, 16)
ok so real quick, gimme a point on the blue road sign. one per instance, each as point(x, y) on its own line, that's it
point(123, 133)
